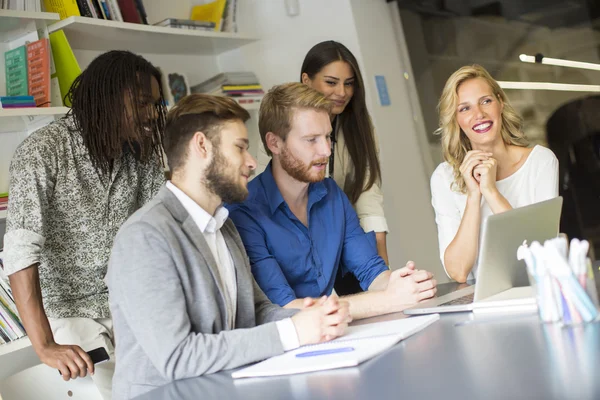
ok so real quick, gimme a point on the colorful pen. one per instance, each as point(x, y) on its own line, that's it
point(325, 351)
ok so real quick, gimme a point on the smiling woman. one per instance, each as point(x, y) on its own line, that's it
point(330, 68)
point(488, 166)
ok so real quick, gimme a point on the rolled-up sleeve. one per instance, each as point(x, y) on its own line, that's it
point(265, 268)
point(33, 172)
point(369, 208)
point(359, 254)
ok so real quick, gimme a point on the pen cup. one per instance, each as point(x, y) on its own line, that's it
point(542, 286)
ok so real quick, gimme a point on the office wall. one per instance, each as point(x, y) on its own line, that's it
point(367, 29)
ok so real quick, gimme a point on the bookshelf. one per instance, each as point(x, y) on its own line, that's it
point(22, 119)
point(102, 35)
point(15, 24)
point(2, 216)
point(23, 112)
point(17, 356)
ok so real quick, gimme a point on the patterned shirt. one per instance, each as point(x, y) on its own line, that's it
point(64, 215)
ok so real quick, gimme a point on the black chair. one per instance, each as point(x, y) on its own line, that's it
point(574, 136)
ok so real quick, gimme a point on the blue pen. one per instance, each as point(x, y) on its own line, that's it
point(326, 351)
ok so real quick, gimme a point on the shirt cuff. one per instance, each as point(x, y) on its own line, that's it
point(288, 334)
point(22, 249)
point(374, 224)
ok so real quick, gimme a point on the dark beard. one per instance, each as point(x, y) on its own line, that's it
point(298, 170)
point(217, 181)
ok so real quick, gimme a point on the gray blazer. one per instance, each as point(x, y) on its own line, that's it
point(168, 306)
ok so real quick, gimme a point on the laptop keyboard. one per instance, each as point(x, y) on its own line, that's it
point(468, 299)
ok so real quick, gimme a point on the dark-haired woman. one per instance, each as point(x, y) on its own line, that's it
point(72, 184)
point(332, 69)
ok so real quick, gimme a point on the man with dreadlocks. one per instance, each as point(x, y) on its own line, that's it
point(72, 184)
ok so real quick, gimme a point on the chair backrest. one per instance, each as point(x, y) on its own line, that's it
point(573, 133)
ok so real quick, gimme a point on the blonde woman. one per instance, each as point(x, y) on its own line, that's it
point(489, 167)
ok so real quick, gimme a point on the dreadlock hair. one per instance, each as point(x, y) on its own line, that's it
point(114, 110)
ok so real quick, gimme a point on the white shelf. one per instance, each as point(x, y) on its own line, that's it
point(2, 216)
point(14, 24)
point(16, 356)
point(250, 106)
point(32, 111)
point(14, 346)
point(102, 35)
point(21, 119)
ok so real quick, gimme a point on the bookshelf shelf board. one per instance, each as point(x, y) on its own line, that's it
point(20, 119)
point(32, 111)
point(14, 24)
point(16, 356)
point(101, 35)
point(14, 346)
point(2, 216)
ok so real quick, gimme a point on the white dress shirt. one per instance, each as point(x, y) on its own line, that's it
point(536, 180)
point(210, 226)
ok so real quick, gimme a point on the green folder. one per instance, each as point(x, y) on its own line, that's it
point(67, 67)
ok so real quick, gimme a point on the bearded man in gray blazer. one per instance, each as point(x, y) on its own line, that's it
point(181, 293)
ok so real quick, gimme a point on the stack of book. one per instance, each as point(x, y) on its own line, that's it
point(221, 12)
point(187, 24)
point(3, 201)
point(11, 327)
point(16, 102)
point(243, 86)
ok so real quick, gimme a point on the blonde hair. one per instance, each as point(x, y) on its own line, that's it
point(278, 105)
point(455, 143)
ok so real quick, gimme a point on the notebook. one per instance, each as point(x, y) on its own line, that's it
point(359, 344)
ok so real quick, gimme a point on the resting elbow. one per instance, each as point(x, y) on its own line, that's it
point(458, 276)
point(456, 272)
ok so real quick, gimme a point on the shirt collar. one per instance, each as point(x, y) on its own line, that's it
point(316, 191)
point(205, 221)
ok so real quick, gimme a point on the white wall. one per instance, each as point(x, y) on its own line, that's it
point(366, 28)
point(406, 159)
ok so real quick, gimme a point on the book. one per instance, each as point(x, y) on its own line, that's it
point(64, 8)
point(8, 100)
point(67, 67)
point(129, 11)
point(38, 71)
point(241, 87)
point(142, 11)
point(115, 11)
point(229, 18)
point(185, 22)
point(212, 12)
point(15, 61)
point(225, 78)
point(360, 343)
point(84, 9)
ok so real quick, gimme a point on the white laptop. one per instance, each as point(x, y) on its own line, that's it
point(501, 279)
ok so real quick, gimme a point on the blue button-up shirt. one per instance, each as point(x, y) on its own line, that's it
point(292, 261)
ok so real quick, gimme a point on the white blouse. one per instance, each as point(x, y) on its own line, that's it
point(536, 180)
